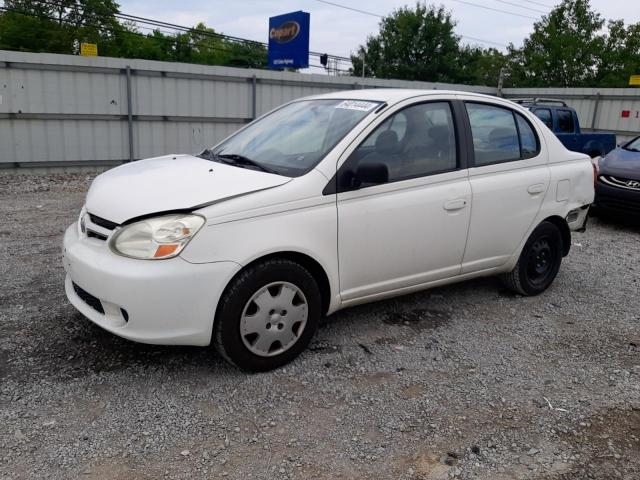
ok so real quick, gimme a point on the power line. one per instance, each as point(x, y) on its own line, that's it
point(538, 3)
point(150, 21)
point(166, 39)
point(172, 40)
point(495, 9)
point(350, 8)
point(485, 41)
point(521, 6)
point(382, 16)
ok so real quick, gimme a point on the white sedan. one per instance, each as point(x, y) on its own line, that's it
point(326, 202)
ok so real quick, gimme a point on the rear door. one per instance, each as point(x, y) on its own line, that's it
point(509, 178)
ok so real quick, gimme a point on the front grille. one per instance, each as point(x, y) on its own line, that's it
point(93, 234)
point(108, 224)
point(89, 299)
point(626, 183)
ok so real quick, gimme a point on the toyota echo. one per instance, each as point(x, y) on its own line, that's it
point(325, 202)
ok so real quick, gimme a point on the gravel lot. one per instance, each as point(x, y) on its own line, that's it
point(467, 381)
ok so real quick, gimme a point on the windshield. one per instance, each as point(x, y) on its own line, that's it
point(633, 145)
point(293, 139)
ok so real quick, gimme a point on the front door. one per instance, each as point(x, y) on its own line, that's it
point(410, 228)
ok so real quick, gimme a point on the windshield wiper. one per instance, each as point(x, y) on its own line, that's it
point(235, 159)
point(242, 160)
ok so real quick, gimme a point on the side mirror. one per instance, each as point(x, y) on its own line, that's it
point(373, 173)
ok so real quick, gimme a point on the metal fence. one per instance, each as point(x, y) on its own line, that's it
point(68, 110)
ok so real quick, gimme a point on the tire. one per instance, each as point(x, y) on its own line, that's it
point(267, 315)
point(539, 262)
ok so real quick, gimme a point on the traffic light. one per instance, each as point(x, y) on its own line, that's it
point(324, 59)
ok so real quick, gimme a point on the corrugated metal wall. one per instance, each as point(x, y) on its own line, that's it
point(60, 109)
point(65, 110)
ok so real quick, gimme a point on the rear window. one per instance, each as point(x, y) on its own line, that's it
point(500, 134)
point(528, 139)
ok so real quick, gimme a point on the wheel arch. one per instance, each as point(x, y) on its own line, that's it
point(565, 232)
point(314, 267)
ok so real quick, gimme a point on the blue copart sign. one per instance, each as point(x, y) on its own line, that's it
point(289, 40)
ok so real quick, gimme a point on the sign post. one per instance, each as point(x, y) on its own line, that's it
point(289, 40)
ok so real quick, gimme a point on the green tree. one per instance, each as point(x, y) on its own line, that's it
point(480, 66)
point(30, 26)
point(211, 48)
point(58, 27)
point(564, 49)
point(413, 44)
point(620, 56)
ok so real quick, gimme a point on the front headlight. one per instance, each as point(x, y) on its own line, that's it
point(156, 238)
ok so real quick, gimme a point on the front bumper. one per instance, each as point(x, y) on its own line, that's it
point(617, 199)
point(168, 302)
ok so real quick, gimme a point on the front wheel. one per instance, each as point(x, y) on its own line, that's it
point(267, 315)
point(539, 262)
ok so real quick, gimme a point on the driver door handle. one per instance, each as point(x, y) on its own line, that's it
point(457, 204)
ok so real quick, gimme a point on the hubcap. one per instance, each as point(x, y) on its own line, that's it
point(273, 319)
point(541, 260)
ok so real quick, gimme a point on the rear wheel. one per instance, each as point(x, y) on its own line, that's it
point(267, 315)
point(539, 261)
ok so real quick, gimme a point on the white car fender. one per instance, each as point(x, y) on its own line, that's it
point(290, 218)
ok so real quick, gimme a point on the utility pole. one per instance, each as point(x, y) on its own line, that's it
point(363, 58)
point(500, 81)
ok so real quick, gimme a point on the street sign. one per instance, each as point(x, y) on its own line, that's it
point(634, 80)
point(289, 40)
point(88, 49)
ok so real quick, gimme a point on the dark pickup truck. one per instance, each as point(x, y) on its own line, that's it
point(563, 121)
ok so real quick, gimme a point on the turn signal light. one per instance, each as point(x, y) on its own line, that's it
point(164, 250)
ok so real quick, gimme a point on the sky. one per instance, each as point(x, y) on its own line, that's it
point(339, 31)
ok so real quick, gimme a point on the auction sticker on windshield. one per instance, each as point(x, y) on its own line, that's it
point(356, 105)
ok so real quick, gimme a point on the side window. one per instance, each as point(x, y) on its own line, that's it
point(544, 114)
point(565, 121)
point(397, 123)
point(419, 140)
point(500, 134)
point(495, 136)
point(528, 139)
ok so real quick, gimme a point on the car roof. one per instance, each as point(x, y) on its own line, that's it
point(391, 95)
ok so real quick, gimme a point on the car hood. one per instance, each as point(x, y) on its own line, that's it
point(621, 163)
point(173, 182)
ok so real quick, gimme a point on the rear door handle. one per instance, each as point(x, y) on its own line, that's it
point(535, 189)
point(455, 204)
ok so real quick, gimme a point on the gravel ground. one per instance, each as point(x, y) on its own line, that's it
point(467, 381)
